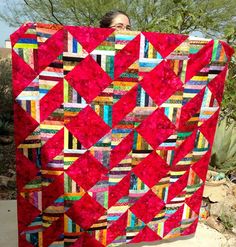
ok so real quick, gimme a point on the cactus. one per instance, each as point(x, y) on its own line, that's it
point(224, 148)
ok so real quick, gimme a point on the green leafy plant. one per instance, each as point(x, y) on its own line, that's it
point(224, 148)
point(7, 116)
point(5, 128)
point(226, 221)
point(229, 99)
point(6, 100)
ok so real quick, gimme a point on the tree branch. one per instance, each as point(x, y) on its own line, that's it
point(37, 12)
point(52, 12)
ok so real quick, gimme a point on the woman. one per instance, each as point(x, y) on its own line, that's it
point(116, 19)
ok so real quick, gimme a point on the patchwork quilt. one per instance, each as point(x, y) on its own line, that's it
point(113, 132)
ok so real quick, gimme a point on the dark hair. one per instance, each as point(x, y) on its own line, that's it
point(109, 16)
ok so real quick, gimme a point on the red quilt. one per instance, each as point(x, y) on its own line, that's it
point(114, 132)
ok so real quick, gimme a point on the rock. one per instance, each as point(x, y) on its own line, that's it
point(7, 188)
point(11, 173)
point(225, 210)
point(231, 242)
point(4, 181)
point(6, 140)
point(3, 195)
point(11, 184)
point(234, 190)
point(215, 224)
point(215, 193)
point(8, 195)
point(216, 209)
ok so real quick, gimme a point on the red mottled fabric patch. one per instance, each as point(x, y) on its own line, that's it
point(146, 170)
point(147, 207)
point(89, 79)
point(156, 128)
point(88, 127)
point(165, 43)
point(161, 83)
point(83, 168)
point(86, 211)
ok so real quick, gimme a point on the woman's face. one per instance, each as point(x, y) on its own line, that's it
point(121, 22)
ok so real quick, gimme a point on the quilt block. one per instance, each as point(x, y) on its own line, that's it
point(114, 131)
